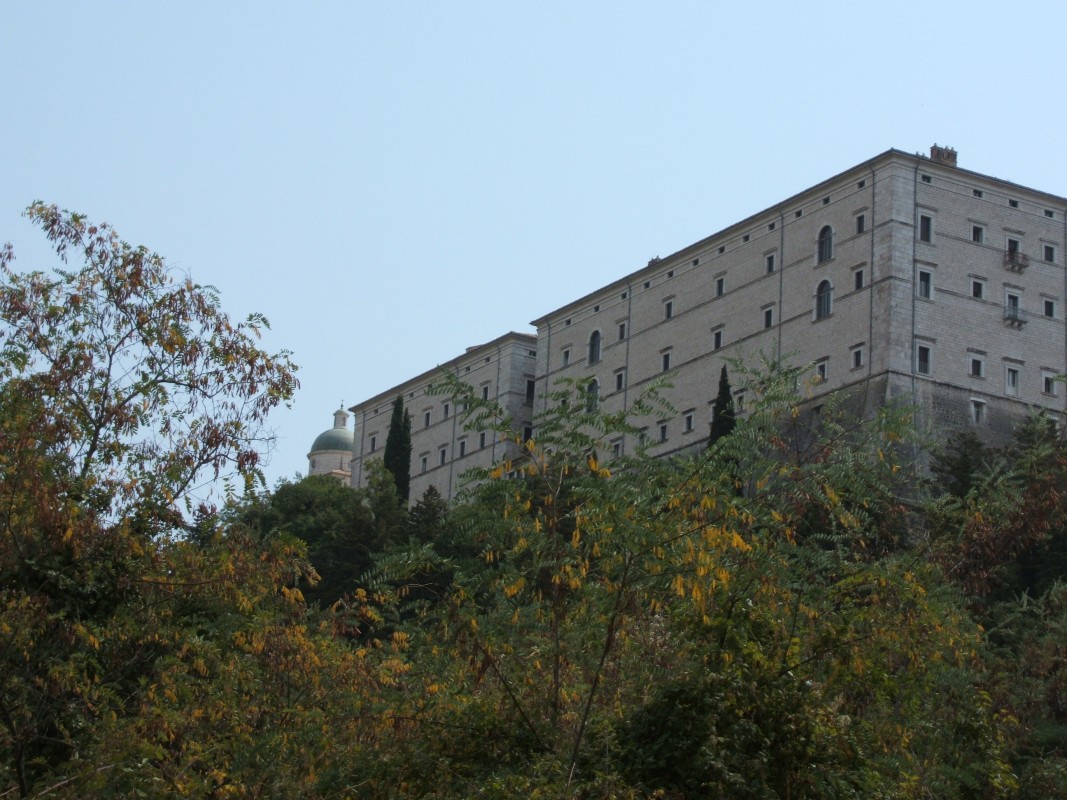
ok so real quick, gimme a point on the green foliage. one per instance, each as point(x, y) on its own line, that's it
point(723, 419)
point(397, 457)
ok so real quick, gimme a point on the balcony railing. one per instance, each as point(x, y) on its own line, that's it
point(1016, 261)
point(1015, 316)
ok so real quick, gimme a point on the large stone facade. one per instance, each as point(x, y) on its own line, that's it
point(904, 277)
point(441, 450)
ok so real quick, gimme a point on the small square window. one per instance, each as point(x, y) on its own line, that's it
point(670, 273)
point(720, 287)
point(665, 361)
point(922, 359)
point(769, 261)
point(826, 201)
point(716, 339)
point(861, 223)
point(857, 279)
point(648, 284)
point(596, 309)
point(1050, 308)
point(688, 419)
point(1011, 381)
point(696, 262)
point(1013, 203)
point(1050, 253)
point(745, 238)
point(622, 331)
point(977, 192)
point(1048, 383)
point(926, 179)
point(771, 226)
point(668, 309)
point(768, 317)
point(567, 322)
point(926, 228)
point(977, 289)
point(857, 358)
point(861, 184)
point(797, 213)
point(1049, 213)
point(623, 296)
point(722, 249)
point(925, 284)
point(977, 234)
point(977, 369)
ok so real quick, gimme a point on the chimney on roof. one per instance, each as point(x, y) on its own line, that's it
point(943, 155)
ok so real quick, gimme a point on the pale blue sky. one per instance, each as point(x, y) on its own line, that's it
point(391, 183)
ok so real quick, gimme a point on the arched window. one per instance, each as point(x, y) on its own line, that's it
point(826, 244)
point(824, 300)
point(594, 347)
point(592, 395)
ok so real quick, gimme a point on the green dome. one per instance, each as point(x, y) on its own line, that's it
point(339, 437)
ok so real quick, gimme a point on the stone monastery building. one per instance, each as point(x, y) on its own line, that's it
point(904, 277)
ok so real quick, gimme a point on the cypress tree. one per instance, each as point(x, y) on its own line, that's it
point(723, 420)
point(397, 458)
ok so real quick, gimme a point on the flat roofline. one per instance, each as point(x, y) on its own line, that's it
point(658, 264)
point(511, 337)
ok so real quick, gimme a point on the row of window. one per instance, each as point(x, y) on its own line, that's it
point(1013, 254)
point(976, 368)
point(1013, 310)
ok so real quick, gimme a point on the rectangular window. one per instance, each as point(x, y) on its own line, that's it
point(527, 432)
point(926, 179)
point(720, 286)
point(689, 422)
point(442, 456)
point(620, 381)
point(1013, 203)
point(426, 420)
point(922, 359)
point(566, 357)
point(925, 280)
point(926, 228)
point(857, 358)
point(769, 261)
point(481, 440)
point(462, 448)
point(1050, 253)
point(373, 443)
point(716, 339)
point(1050, 308)
point(445, 408)
point(1011, 381)
point(820, 372)
point(663, 431)
point(739, 402)
point(485, 392)
point(666, 361)
point(530, 389)
point(977, 234)
point(977, 192)
point(977, 368)
point(622, 331)
point(616, 449)
point(1050, 213)
point(1049, 384)
point(857, 279)
point(977, 289)
point(861, 223)
point(768, 317)
point(1013, 247)
point(668, 309)
point(423, 463)
point(977, 412)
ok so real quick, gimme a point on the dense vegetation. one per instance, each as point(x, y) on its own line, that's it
point(791, 613)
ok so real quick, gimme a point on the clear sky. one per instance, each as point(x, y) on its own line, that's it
point(391, 183)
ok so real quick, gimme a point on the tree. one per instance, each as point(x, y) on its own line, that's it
point(125, 391)
point(397, 458)
point(723, 419)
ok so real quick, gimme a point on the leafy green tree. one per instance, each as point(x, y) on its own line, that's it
point(723, 420)
point(397, 458)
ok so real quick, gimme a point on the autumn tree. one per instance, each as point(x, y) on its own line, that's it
point(397, 458)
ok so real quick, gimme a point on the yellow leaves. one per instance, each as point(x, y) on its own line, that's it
point(576, 538)
point(514, 588)
point(678, 585)
point(591, 462)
